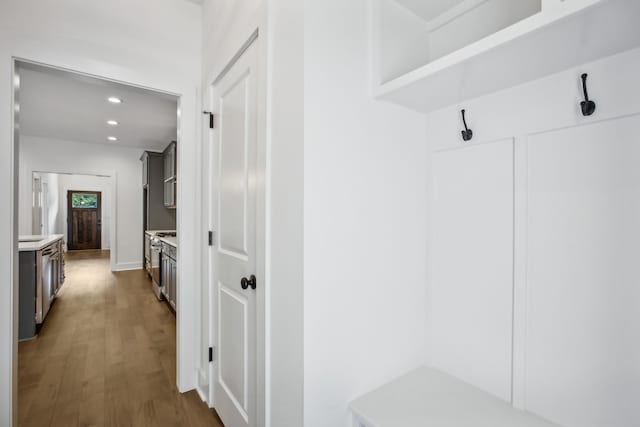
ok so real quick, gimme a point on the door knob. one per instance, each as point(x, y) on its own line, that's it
point(251, 281)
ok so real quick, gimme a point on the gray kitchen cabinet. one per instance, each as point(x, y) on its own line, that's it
point(170, 174)
point(41, 276)
point(169, 273)
point(155, 214)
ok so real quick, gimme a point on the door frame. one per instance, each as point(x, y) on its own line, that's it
point(44, 209)
point(69, 216)
point(112, 178)
point(186, 320)
point(36, 210)
point(210, 171)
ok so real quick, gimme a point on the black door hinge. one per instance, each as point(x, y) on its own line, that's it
point(211, 122)
point(210, 354)
point(211, 238)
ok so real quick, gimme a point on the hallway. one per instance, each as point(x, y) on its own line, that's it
point(106, 355)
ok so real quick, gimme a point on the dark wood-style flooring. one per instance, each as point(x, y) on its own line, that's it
point(105, 356)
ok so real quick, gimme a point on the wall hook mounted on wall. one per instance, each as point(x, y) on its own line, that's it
point(467, 133)
point(588, 107)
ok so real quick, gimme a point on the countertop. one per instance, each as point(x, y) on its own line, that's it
point(173, 241)
point(153, 232)
point(37, 242)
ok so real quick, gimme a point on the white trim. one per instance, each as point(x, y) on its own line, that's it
point(95, 76)
point(11, 408)
point(520, 244)
point(201, 393)
point(253, 37)
point(186, 372)
point(126, 266)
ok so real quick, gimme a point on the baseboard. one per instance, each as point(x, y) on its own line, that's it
point(202, 394)
point(124, 266)
point(203, 387)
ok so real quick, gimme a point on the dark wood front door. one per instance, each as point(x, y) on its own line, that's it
point(84, 220)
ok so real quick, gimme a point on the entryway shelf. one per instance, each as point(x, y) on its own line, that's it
point(469, 48)
point(428, 397)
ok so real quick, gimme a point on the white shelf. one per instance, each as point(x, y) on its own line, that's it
point(430, 398)
point(557, 38)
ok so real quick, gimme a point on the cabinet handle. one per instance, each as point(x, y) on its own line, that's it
point(250, 282)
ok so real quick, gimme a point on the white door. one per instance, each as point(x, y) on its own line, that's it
point(235, 105)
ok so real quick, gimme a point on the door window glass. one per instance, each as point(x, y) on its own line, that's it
point(84, 201)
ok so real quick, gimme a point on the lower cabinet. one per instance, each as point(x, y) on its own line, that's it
point(169, 274)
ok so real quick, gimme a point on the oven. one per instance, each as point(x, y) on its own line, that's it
point(155, 254)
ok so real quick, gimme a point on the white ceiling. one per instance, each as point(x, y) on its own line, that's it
point(429, 9)
point(68, 106)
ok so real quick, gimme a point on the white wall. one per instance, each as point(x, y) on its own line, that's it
point(285, 218)
point(152, 45)
point(365, 211)
point(113, 162)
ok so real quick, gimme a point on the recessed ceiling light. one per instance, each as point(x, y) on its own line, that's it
point(112, 138)
point(112, 123)
point(114, 100)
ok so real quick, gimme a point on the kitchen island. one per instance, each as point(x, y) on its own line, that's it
point(41, 260)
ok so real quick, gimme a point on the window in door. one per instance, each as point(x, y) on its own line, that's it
point(84, 201)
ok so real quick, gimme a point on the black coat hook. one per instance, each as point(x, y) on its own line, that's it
point(467, 133)
point(588, 107)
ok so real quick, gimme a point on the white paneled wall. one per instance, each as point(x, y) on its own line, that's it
point(471, 304)
point(571, 285)
point(582, 350)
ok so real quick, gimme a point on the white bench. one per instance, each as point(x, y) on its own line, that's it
point(429, 398)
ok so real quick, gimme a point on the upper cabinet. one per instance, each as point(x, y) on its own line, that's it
point(429, 55)
point(156, 215)
point(145, 168)
point(170, 175)
point(170, 161)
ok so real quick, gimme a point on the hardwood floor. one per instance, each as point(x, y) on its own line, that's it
point(105, 356)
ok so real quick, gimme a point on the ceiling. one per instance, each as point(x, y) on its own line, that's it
point(73, 107)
